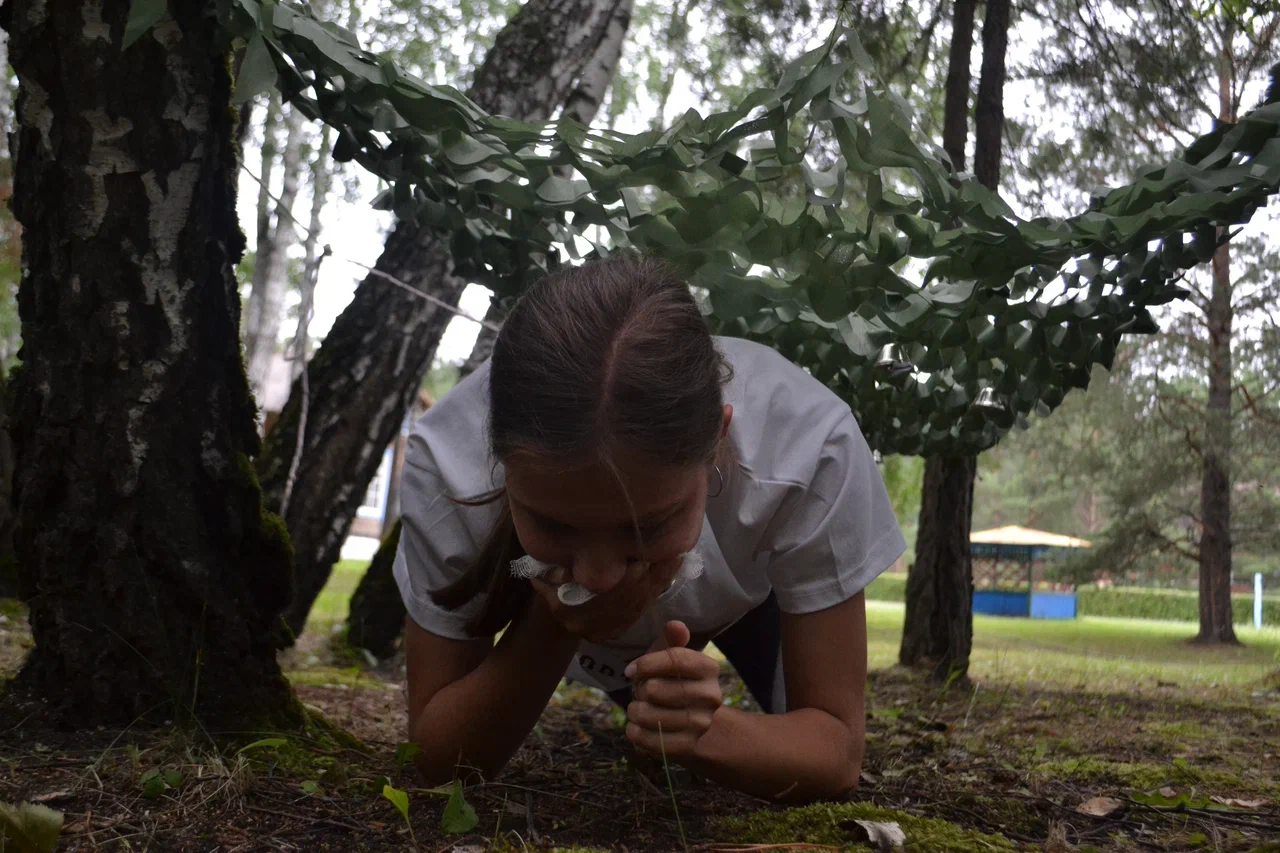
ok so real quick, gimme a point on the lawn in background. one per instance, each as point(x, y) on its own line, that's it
point(1097, 653)
point(335, 599)
point(1094, 652)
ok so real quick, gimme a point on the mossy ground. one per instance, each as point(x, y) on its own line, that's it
point(833, 825)
point(1000, 769)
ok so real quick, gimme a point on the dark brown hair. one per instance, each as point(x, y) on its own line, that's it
point(594, 361)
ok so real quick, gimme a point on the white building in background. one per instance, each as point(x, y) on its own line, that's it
point(380, 504)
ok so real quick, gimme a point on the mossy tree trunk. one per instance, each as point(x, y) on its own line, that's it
point(363, 378)
point(155, 574)
point(377, 611)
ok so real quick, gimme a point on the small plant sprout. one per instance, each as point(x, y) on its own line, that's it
point(400, 800)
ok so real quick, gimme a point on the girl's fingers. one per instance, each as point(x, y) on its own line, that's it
point(672, 720)
point(662, 744)
point(673, 663)
point(680, 693)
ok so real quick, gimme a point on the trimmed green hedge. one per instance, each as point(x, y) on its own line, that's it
point(890, 586)
point(1179, 605)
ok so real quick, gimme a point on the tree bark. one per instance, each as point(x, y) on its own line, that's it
point(311, 252)
point(9, 248)
point(988, 112)
point(154, 574)
point(939, 595)
point(262, 222)
point(939, 616)
point(271, 269)
point(1216, 622)
point(10, 232)
point(955, 111)
point(8, 568)
point(363, 378)
point(582, 105)
point(377, 611)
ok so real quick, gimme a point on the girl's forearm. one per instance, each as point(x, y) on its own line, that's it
point(798, 756)
point(479, 721)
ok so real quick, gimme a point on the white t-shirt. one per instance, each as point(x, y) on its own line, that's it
point(803, 513)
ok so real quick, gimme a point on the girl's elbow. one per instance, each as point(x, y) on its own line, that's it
point(845, 777)
point(438, 766)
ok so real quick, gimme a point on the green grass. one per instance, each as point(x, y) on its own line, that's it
point(332, 603)
point(1097, 652)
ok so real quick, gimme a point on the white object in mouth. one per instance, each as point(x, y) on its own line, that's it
point(574, 594)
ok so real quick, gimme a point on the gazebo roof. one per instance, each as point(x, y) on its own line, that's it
point(1025, 537)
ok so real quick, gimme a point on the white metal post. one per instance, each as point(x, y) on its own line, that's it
point(1257, 599)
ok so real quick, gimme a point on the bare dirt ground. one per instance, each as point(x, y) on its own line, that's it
point(1004, 767)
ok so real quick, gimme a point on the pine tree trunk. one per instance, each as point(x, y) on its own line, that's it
point(1215, 485)
point(988, 112)
point(939, 616)
point(955, 111)
point(364, 376)
point(271, 269)
point(1216, 622)
point(939, 595)
point(155, 575)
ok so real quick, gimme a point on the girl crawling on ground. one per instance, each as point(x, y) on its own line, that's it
point(616, 488)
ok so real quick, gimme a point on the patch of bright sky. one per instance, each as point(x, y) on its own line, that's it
point(356, 231)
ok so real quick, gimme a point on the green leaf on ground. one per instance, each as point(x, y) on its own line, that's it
point(397, 798)
point(459, 817)
point(265, 743)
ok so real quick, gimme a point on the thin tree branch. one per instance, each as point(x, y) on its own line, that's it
point(435, 300)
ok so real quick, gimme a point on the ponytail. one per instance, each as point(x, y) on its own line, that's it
point(490, 575)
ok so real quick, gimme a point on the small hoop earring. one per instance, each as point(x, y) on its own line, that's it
point(720, 477)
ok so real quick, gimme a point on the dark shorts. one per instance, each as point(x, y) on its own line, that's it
point(753, 645)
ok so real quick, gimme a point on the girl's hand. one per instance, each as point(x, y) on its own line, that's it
point(610, 614)
point(677, 694)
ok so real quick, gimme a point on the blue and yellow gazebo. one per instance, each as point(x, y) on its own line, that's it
point(1005, 560)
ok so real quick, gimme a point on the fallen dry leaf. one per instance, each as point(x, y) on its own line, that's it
point(884, 836)
point(52, 797)
point(1237, 803)
point(1100, 806)
point(1169, 792)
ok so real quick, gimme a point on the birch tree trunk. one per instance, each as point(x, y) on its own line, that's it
point(363, 377)
point(9, 242)
point(376, 616)
point(311, 253)
point(582, 105)
point(262, 222)
point(155, 573)
point(271, 270)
